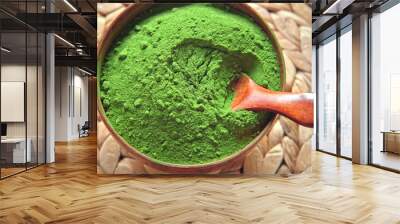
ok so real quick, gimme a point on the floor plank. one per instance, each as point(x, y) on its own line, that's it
point(70, 191)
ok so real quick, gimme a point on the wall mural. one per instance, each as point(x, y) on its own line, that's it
point(204, 88)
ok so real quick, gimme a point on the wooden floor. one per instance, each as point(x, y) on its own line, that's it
point(69, 191)
point(5, 172)
point(8, 171)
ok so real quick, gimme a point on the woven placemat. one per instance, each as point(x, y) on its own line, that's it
point(286, 149)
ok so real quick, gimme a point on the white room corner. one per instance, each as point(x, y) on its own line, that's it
point(71, 102)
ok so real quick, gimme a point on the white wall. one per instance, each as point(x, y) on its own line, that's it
point(13, 73)
point(9, 73)
point(80, 88)
point(62, 81)
point(70, 83)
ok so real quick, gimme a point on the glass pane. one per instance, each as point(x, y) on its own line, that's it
point(41, 99)
point(13, 86)
point(385, 86)
point(327, 96)
point(314, 90)
point(23, 88)
point(31, 100)
point(32, 88)
point(346, 93)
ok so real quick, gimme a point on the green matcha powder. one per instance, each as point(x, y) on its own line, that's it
point(165, 85)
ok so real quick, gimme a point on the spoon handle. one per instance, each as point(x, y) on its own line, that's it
point(298, 107)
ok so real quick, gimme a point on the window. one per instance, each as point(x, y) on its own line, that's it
point(327, 95)
point(314, 90)
point(385, 89)
point(346, 92)
point(22, 77)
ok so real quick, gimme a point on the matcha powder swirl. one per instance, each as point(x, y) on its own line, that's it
point(166, 84)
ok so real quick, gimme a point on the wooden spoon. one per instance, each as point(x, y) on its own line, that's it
point(298, 107)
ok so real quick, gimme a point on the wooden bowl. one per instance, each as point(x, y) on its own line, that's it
point(112, 31)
